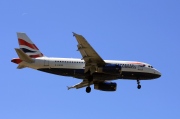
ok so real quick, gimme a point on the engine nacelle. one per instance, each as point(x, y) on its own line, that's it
point(105, 86)
point(110, 68)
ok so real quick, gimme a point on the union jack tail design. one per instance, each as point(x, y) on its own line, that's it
point(27, 46)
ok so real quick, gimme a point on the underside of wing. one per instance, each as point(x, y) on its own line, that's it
point(82, 84)
point(98, 85)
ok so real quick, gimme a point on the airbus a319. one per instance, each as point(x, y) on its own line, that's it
point(91, 68)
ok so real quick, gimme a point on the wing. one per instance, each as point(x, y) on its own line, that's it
point(82, 84)
point(89, 55)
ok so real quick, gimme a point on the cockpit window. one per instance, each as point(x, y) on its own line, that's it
point(150, 66)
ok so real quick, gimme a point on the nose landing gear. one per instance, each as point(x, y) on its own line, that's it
point(138, 86)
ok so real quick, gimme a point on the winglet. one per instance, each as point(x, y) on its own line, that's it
point(70, 87)
point(74, 33)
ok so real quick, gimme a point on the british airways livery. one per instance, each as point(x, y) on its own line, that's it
point(91, 68)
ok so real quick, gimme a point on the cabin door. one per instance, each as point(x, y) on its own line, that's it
point(46, 63)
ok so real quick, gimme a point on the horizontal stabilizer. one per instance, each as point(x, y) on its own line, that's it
point(21, 67)
point(23, 56)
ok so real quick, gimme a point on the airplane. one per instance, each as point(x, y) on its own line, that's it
point(91, 68)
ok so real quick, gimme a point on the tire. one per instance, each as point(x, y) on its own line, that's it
point(88, 89)
point(139, 86)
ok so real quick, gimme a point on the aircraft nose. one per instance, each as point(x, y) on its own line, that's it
point(158, 74)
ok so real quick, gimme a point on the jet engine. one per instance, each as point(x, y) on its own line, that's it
point(110, 68)
point(105, 86)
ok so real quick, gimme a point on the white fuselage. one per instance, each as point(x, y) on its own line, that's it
point(127, 67)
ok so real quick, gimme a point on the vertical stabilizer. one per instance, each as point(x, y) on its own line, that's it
point(27, 46)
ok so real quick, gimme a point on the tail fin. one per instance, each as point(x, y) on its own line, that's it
point(27, 46)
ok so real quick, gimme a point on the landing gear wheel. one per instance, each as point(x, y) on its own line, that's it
point(88, 89)
point(139, 86)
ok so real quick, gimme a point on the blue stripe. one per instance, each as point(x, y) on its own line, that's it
point(27, 51)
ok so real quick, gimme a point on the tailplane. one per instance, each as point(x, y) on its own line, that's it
point(22, 60)
point(23, 56)
point(27, 46)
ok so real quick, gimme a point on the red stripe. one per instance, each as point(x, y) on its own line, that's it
point(136, 63)
point(23, 42)
point(35, 47)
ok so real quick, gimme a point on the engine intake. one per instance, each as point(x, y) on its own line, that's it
point(105, 86)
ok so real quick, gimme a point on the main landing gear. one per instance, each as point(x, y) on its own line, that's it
point(90, 79)
point(138, 86)
point(88, 89)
